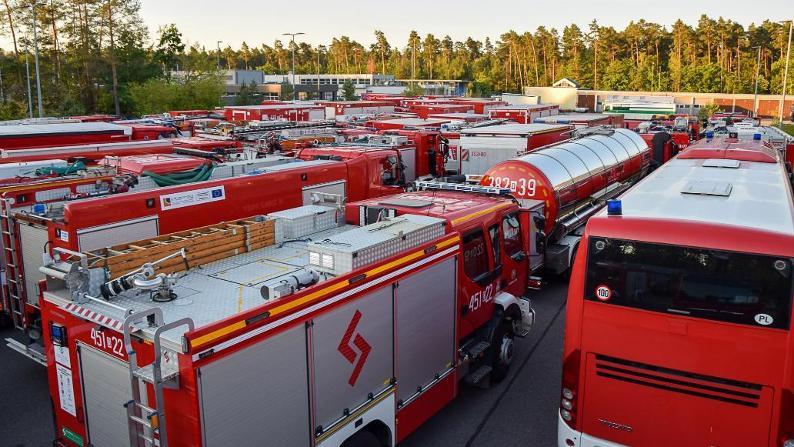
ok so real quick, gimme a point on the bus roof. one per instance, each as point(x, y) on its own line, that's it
point(714, 191)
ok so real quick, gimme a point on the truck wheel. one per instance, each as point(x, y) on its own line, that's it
point(363, 438)
point(502, 344)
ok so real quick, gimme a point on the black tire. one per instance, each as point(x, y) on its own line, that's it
point(502, 346)
point(363, 438)
point(5, 321)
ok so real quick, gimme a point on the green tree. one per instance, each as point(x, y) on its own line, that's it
point(169, 47)
point(348, 91)
point(248, 95)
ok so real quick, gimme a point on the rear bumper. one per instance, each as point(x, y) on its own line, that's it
point(568, 437)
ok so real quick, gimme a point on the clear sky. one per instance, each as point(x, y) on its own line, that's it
point(263, 21)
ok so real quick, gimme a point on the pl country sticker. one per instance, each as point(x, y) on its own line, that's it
point(603, 293)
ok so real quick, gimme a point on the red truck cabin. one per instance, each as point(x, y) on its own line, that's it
point(490, 230)
point(679, 310)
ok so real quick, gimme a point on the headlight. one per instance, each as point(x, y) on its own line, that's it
point(568, 394)
point(566, 415)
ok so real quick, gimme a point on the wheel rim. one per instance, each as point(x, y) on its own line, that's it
point(506, 350)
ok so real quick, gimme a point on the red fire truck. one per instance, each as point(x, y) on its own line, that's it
point(89, 152)
point(679, 309)
point(566, 183)
point(326, 335)
point(97, 222)
point(61, 134)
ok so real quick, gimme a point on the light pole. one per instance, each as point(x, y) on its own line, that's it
point(755, 90)
point(785, 72)
point(294, 93)
point(27, 74)
point(219, 54)
point(36, 59)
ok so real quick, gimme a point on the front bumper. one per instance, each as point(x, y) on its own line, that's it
point(568, 437)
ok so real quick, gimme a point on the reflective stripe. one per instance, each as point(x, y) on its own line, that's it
point(207, 338)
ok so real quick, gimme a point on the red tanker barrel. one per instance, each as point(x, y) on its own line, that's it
point(567, 173)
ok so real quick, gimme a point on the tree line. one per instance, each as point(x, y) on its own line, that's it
point(98, 56)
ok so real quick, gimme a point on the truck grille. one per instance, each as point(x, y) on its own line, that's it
point(708, 387)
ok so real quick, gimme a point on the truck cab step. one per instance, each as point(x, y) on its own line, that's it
point(476, 376)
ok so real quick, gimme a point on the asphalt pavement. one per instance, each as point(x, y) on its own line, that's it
point(521, 411)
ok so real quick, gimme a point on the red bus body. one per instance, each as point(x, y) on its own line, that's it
point(672, 337)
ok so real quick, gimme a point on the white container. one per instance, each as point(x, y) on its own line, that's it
point(366, 245)
point(297, 223)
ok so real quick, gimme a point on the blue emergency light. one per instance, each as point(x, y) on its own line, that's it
point(614, 207)
point(757, 136)
point(709, 135)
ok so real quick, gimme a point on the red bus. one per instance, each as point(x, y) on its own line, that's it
point(679, 311)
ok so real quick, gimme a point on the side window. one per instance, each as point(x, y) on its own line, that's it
point(511, 231)
point(475, 255)
point(496, 245)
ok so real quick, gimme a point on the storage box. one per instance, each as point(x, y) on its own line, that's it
point(366, 245)
point(297, 223)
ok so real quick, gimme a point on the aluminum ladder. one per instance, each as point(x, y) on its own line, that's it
point(146, 422)
point(14, 285)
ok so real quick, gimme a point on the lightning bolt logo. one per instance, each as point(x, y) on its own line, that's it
point(346, 348)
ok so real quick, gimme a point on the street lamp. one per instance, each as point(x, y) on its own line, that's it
point(36, 59)
point(294, 93)
point(757, 74)
point(785, 71)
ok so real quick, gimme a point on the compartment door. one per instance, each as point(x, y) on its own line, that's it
point(106, 388)
point(259, 395)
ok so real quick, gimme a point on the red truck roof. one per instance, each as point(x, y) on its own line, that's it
point(458, 208)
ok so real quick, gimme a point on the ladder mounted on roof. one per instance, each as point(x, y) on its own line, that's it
point(447, 186)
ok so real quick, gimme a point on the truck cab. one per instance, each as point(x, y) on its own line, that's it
point(387, 166)
point(495, 233)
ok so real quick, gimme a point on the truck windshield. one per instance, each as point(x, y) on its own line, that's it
point(702, 283)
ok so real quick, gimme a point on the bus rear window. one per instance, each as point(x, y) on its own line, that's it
point(695, 282)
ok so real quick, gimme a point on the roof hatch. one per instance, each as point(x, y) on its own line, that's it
point(708, 188)
point(721, 163)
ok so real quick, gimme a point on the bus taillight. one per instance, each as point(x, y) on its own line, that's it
point(570, 381)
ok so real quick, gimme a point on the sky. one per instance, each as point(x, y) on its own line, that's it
point(262, 21)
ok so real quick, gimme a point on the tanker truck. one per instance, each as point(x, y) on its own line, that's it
point(565, 183)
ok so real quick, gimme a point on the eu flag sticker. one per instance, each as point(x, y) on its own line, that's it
point(217, 193)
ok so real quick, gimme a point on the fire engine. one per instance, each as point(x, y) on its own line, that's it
point(566, 183)
point(59, 134)
point(96, 222)
point(679, 312)
point(294, 330)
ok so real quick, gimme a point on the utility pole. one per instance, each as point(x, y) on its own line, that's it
point(36, 58)
point(785, 72)
point(755, 90)
point(318, 73)
point(294, 92)
point(27, 74)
